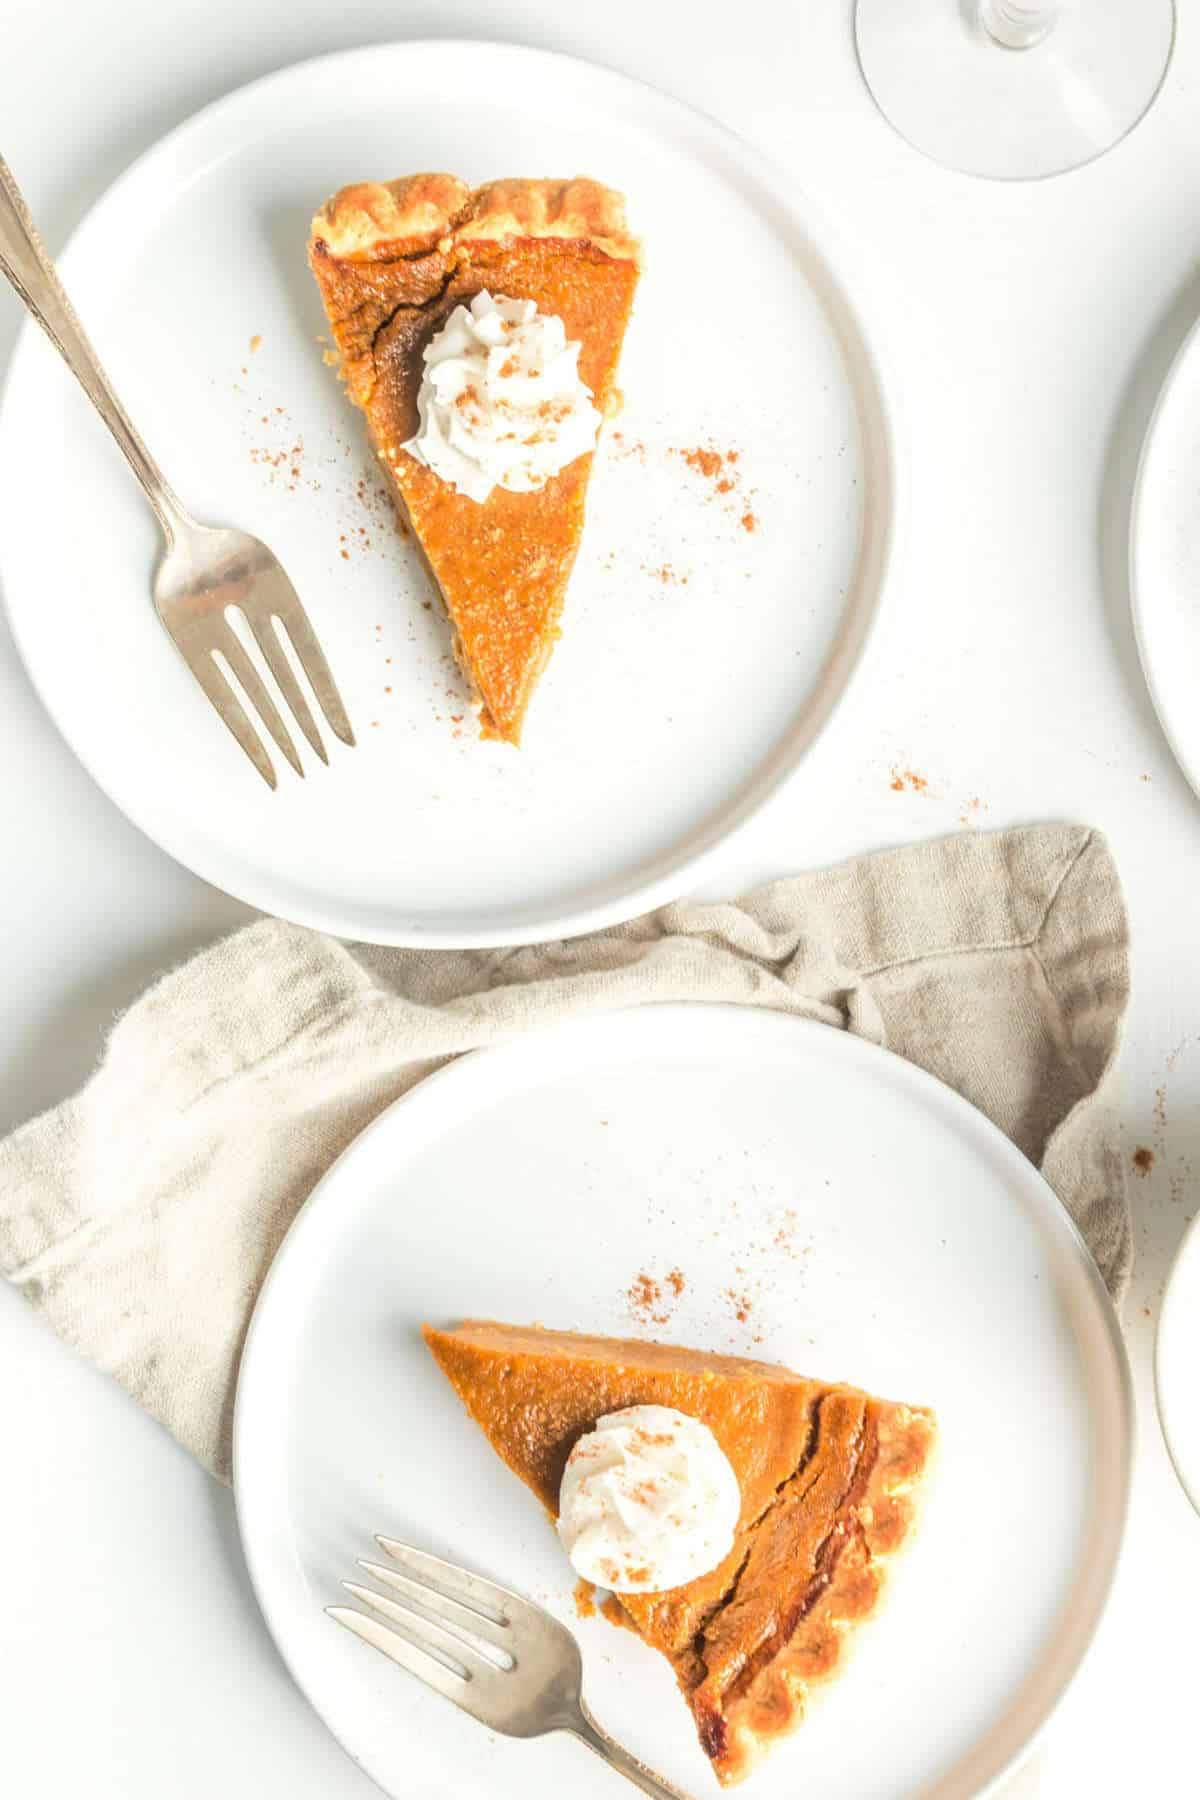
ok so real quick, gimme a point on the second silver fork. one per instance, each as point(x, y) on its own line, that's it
point(507, 1662)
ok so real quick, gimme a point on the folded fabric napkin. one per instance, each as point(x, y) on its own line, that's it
point(141, 1215)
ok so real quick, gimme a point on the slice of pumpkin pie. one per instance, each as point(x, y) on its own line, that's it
point(826, 1487)
point(479, 331)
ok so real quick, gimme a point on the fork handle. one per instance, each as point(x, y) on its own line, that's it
point(586, 1729)
point(24, 260)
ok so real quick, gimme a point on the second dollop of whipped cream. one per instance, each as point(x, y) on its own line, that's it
point(501, 402)
point(648, 1501)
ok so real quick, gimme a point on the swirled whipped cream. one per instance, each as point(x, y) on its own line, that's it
point(648, 1501)
point(501, 402)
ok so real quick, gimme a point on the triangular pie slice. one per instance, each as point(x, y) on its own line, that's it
point(393, 259)
point(828, 1478)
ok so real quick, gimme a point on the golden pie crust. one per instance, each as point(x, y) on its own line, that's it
point(829, 1479)
point(392, 260)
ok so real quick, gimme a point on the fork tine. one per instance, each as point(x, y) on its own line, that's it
point(294, 620)
point(255, 690)
point(425, 1633)
point(441, 1605)
point(267, 639)
point(417, 1662)
point(486, 1597)
point(232, 712)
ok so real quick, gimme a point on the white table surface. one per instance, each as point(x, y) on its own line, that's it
point(1027, 328)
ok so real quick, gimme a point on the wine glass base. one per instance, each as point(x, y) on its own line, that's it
point(959, 97)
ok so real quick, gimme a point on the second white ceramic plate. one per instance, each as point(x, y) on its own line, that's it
point(826, 1206)
point(717, 609)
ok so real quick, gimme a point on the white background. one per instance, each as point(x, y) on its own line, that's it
point(1028, 329)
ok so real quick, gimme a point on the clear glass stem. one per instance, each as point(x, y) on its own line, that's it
point(963, 81)
point(1019, 24)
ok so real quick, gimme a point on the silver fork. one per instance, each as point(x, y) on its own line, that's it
point(206, 571)
point(502, 1659)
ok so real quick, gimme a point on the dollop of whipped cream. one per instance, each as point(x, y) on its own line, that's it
point(501, 402)
point(648, 1501)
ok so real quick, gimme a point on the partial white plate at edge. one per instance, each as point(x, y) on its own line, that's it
point(1164, 556)
point(1177, 1363)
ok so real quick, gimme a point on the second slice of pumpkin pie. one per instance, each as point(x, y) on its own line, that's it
point(828, 1479)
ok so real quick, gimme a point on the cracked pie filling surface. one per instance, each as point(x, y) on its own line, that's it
point(829, 1480)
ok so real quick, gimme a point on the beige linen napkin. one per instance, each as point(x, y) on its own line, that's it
point(141, 1215)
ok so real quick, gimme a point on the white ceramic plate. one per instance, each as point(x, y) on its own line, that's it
point(1165, 557)
point(870, 1224)
point(1177, 1364)
point(672, 708)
